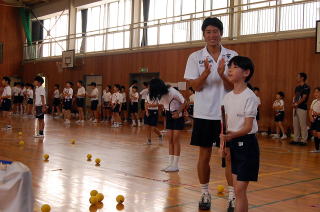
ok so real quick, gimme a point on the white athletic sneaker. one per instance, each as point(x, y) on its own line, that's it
point(139, 124)
point(164, 131)
point(38, 136)
point(284, 137)
point(133, 124)
point(315, 151)
point(95, 121)
point(148, 142)
point(82, 121)
point(67, 121)
point(275, 136)
point(172, 169)
point(78, 121)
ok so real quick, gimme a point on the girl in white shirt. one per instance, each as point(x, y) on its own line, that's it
point(94, 97)
point(134, 106)
point(116, 106)
point(56, 100)
point(29, 95)
point(124, 107)
point(144, 93)
point(278, 107)
point(67, 101)
point(81, 94)
point(174, 104)
point(314, 115)
point(106, 97)
point(5, 100)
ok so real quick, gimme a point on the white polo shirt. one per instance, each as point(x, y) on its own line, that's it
point(81, 91)
point(144, 93)
point(68, 91)
point(116, 98)
point(38, 93)
point(173, 99)
point(16, 91)
point(207, 102)
point(94, 92)
point(238, 107)
point(276, 103)
point(56, 94)
point(30, 93)
point(315, 106)
point(106, 96)
point(7, 91)
point(136, 97)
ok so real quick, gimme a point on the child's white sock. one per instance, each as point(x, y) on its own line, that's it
point(231, 192)
point(204, 188)
point(175, 161)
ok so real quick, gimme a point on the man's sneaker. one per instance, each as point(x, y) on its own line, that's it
point(8, 127)
point(67, 121)
point(133, 124)
point(231, 205)
point(315, 151)
point(172, 169)
point(303, 144)
point(38, 136)
point(205, 202)
point(78, 121)
point(284, 137)
point(293, 142)
point(139, 124)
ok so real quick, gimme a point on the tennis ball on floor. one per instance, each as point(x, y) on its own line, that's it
point(93, 193)
point(99, 205)
point(20, 133)
point(45, 157)
point(100, 197)
point(220, 188)
point(72, 141)
point(120, 199)
point(93, 200)
point(98, 161)
point(89, 156)
point(45, 208)
point(21, 143)
point(120, 207)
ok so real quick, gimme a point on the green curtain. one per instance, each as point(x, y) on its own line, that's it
point(26, 22)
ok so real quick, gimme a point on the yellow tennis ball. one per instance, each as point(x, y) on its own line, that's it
point(120, 207)
point(220, 188)
point(45, 208)
point(93, 193)
point(89, 156)
point(100, 197)
point(93, 200)
point(72, 141)
point(120, 199)
point(21, 143)
point(45, 156)
point(20, 133)
point(98, 161)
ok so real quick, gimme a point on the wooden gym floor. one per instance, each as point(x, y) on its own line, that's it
point(289, 177)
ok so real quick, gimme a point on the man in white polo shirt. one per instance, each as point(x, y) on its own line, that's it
point(206, 72)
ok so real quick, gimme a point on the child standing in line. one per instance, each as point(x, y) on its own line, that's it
point(56, 101)
point(40, 105)
point(15, 93)
point(29, 96)
point(80, 101)
point(67, 104)
point(278, 107)
point(124, 107)
point(134, 99)
point(241, 109)
point(6, 103)
point(314, 115)
point(144, 93)
point(116, 106)
point(94, 97)
point(106, 97)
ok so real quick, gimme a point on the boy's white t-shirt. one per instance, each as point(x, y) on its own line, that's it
point(68, 91)
point(23, 91)
point(238, 107)
point(38, 93)
point(30, 93)
point(7, 91)
point(315, 106)
point(116, 98)
point(124, 97)
point(152, 102)
point(16, 91)
point(81, 91)
point(279, 103)
point(136, 95)
point(106, 96)
point(207, 102)
point(56, 94)
point(144, 93)
point(94, 92)
point(174, 99)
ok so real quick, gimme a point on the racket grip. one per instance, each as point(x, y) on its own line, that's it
point(223, 162)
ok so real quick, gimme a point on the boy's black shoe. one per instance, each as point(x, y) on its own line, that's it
point(205, 202)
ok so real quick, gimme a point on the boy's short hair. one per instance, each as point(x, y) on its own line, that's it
point(135, 87)
point(57, 85)
point(15, 84)
point(191, 89)
point(317, 88)
point(280, 93)
point(39, 79)
point(244, 63)
point(109, 86)
point(212, 22)
point(70, 83)
point(80, 82)
point(256, 89)
point(123, 87)
point(117, 86)
point(145, 84)
point(7, 79)
point(93, 84)
point(303, 75)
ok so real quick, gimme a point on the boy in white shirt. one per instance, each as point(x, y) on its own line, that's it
point(314, 115)
point(124, 107)
point(106, 97)
point(29, 96)
point(134, 99)
point(94, 98)
point(278, 107)
point(15, 93)
point(40, 104)
point(56, 100)
point(6, 103)
point(241, 109)
point(116, 106)
point(81, 94)
point(67, 102)
point(144, 93)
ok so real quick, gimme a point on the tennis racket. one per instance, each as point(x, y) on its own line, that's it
point(223, 131)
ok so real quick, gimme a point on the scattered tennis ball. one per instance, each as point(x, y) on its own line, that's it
point(20, 133)
point(100, 197)
point(120, 199)
point(21, 143)
point(99, 205)
point(45, 157)
point(72, 141)
point(93, 193)
point(120, 207)
point(93, 200)
point(98, 161)
point(220, 188)
point(89, 156)
point(45, 208)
